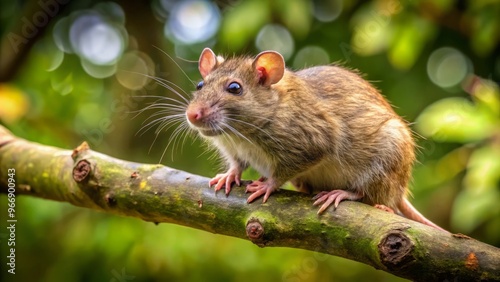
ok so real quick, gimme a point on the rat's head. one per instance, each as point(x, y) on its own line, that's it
point(234, 93)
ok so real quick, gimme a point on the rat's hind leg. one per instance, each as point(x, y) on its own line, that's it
point(329, 197)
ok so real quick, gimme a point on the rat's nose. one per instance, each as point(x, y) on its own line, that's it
point(194, 116)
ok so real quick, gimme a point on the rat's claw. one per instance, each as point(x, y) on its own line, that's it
point(266, 196)
point(236, 178)
point(319, 195)
point(225, 179)
point(259, 188)
point(218, 180)
point(255, 195)
point(335, 196)
point(214, 180)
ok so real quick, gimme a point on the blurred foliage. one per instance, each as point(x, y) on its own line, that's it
point(475, 123)
point(90, 76)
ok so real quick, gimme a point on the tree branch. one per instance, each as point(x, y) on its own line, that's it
point(160, 194)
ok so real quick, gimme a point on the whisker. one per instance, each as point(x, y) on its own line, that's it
point(164, 113)
point(162, 83)
point(173, 138)
point(258, 128)
point(186, 133)
point(165, 83)
point(166, 106)
point(161, 102)
point(165, 53)
point(246, 116)
point(167, 111)
point(149, 96)
point(161, 120)
point(167, 124)
point(237, 133)
point(228, 137)
point(172, 84)
point(160, 128)
point(155, 105)
point(150, 125)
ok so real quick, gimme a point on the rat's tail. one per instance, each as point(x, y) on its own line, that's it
point(409, 211)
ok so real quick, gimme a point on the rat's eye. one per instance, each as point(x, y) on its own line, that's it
point(234, 88)
point(199, 85)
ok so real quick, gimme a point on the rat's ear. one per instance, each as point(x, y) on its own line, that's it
point(270, 67)
point(208, 61)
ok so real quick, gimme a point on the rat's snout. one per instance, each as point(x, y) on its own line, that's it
point(203, 119)
point(195, 115)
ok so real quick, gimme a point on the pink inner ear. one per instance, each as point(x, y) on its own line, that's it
point(270, 67)
point(207, 62)
point(262, 74)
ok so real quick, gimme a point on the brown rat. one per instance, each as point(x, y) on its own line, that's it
point(324, 128)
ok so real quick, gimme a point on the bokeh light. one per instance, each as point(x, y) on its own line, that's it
point(275, 37)
point(53, 55)
point(311, 56)
point(447, 67)
point(60, 34)
point(62, 85)
point(113, 12)
point(15, 104)
point(192, 21)
point(97, 36)
point(98, 71)
point(327, 11)
point(96, 40)
point(133, 70)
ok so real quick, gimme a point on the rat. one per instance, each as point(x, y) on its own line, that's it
point(325, 129)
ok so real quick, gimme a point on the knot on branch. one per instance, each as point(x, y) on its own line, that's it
point(396, 250)
point(110, 199)
point(81, 170)
point(255, 231)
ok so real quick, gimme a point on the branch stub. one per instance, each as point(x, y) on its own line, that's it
point(84, 147)
point(255, 231)
point(81, 171)
point(396, 250)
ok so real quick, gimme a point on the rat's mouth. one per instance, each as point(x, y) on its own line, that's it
point(205, 129)
point(210, 132)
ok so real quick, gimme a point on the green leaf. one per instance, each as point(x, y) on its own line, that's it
point(486, 27)
point(242, 23)
point(372, 31)
point(296, 15)
point(455, 120)
point(471, 209)
point(483, 169)
point(410, 36)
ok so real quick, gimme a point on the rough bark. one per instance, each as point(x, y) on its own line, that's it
point(157, 193)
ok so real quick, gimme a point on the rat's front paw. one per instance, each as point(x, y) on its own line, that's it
point(328, 197)
point(259, 188)
point(226, 179)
